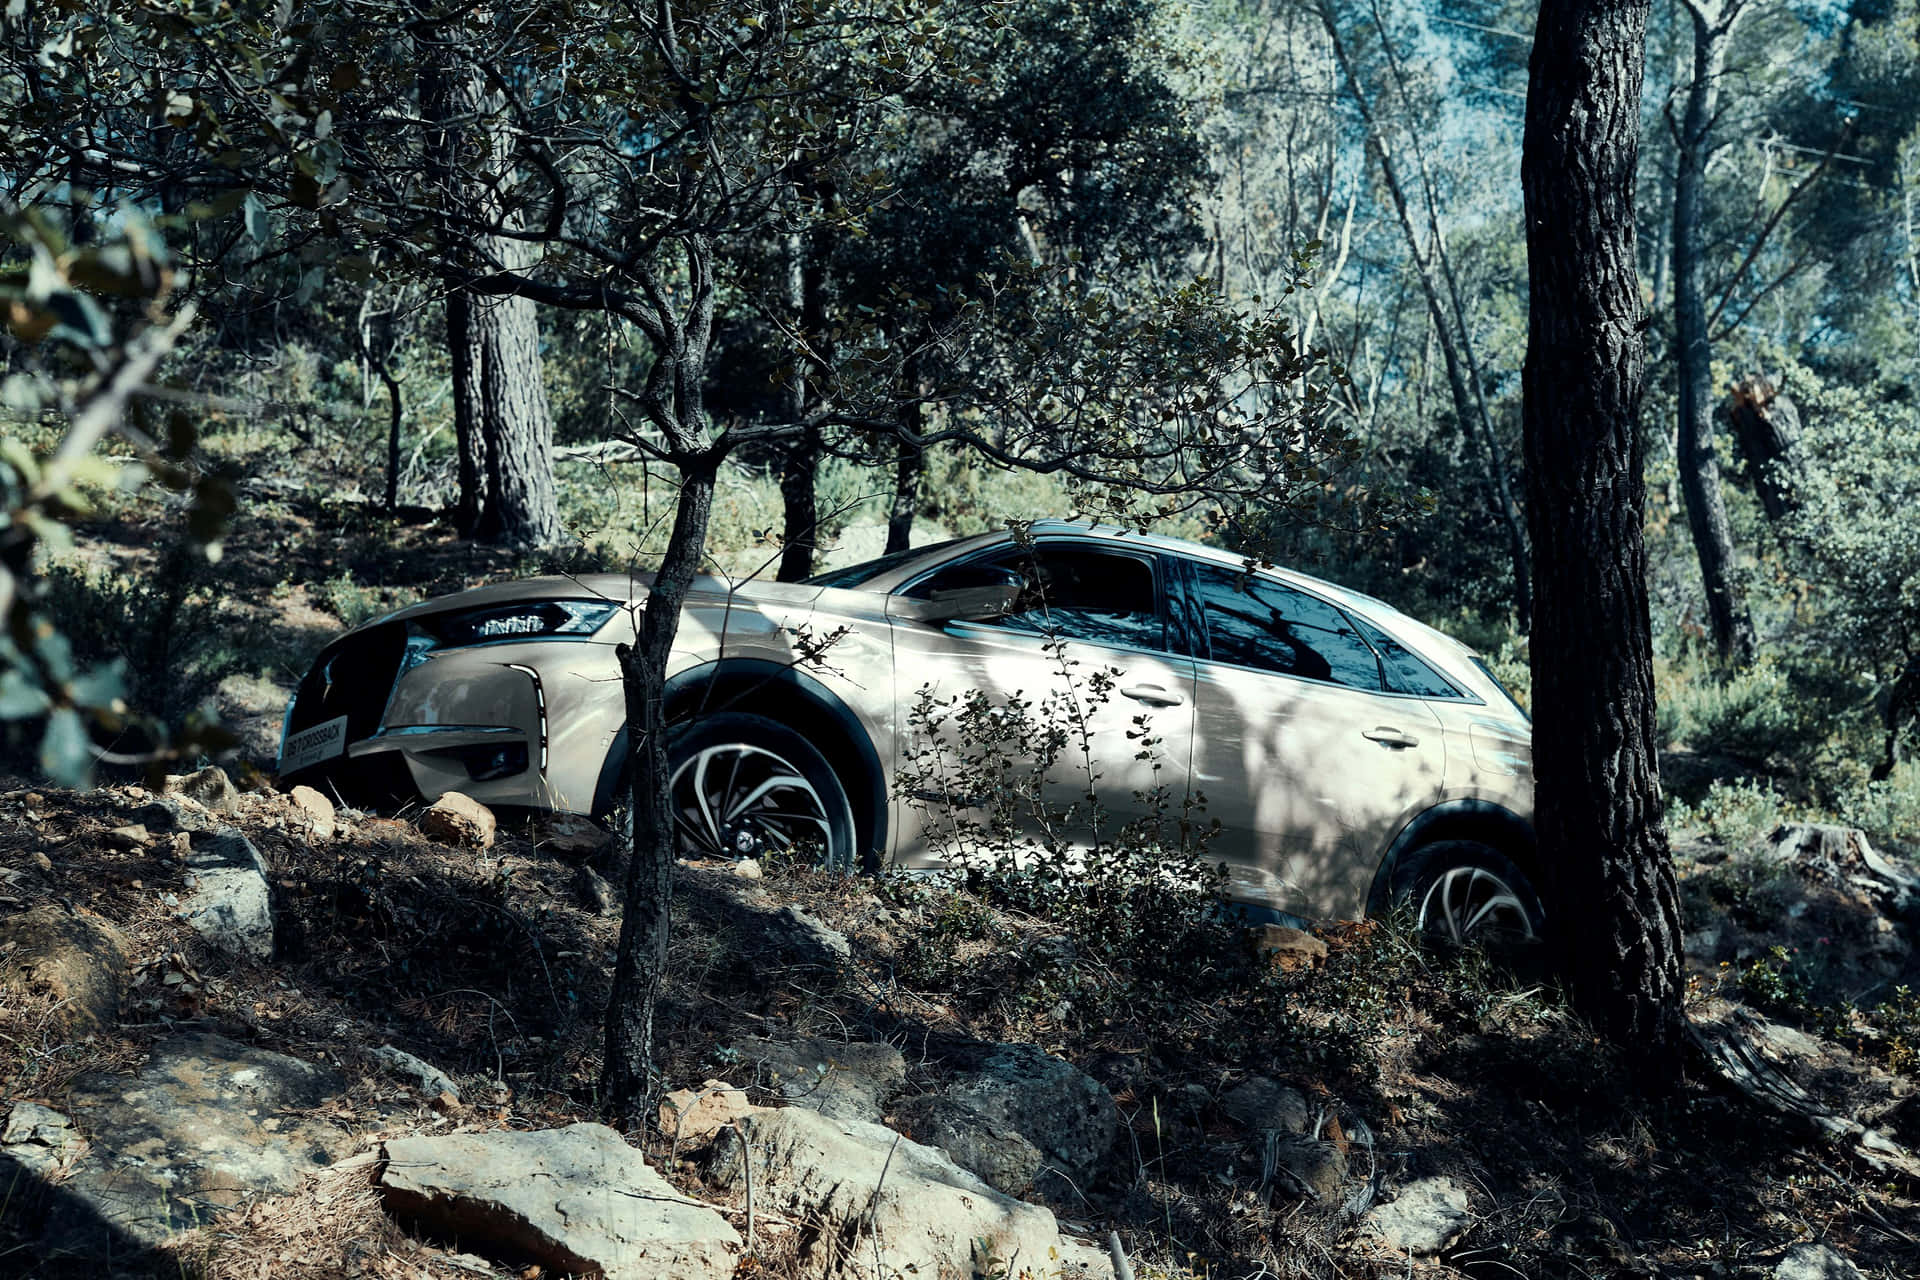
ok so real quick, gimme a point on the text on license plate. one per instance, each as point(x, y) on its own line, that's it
point(310, 746)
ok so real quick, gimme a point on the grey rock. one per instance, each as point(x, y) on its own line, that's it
point(1424, 1218)
point(166, 813)
point(577, 1200)
point(38, 1138)
point(1261, 1104)
point(459, 819)
point(883, 1205)
point(1815, 1262)
point(231, 905)
point(210, 788)
point(803, 939)
point(314, 814)
point(849, 1081)
point(77, 964)
point(424, 1076)
point(595, 894)
point(1305, 1167)
point(203, 1126)
point(1048, 1101)
point(1004, 1160)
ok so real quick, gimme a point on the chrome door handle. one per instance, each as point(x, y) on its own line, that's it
point(1153, 695)
point(1390, 737)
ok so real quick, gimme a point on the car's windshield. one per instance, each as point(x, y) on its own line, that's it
point(854, 575)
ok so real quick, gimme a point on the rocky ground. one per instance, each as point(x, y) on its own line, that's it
point(244, 1035)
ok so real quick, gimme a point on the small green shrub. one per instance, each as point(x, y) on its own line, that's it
point(1759, 713)
point(350, 602)
point(167, 628)
point(1734, 814)
point(1888, 808)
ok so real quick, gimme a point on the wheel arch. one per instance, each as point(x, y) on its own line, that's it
point(1491, 824)
point(793, 698)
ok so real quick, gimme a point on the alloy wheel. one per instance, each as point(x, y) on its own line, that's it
point(1473, 904)
point(736, 800)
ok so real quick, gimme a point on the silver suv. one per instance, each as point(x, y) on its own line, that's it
point(1354, 758)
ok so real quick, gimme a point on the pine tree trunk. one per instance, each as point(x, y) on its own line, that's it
point(907, 466)
point(503, 432)
point(1611, 898)
point(800, 465)
point(1693, 349)
point(1767, 426)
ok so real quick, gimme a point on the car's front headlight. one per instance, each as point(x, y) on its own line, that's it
point(534, 621)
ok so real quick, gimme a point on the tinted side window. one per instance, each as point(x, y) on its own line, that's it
point(1084, 593)
point(1253, 622)
point(1405, 673)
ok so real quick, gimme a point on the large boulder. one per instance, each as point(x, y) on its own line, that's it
point(849, 1080)
point(76, 964)
point(1811, 1261)
point(231, 904)
point(1046, 1100)
point(1004, 1159)
point(882, 1205)
point(203, 1126)
point(461, 820)
point(691, 1117)
point(576, 1200)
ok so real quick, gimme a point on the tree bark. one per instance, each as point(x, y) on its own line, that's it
point(800, 465)
point(1766, 425)
point(1612, 905)
point(908, 464)
point(1693, 349)
point(503, 431)
point(626, 1077)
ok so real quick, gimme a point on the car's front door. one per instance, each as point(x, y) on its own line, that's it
point(1086, 654)
point(1308, 764)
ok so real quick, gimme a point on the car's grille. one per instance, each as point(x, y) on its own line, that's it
point(353, 678)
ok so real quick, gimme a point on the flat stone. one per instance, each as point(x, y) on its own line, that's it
point(167, 814)
point(315, 813)
point(203, 1126)
point(424, 1076)
point(1048, 1101)
point(883, 1205)
point(595, 893)
point(128, 838)
point(576, 1200)
point(77, 964)
point(1424, 1218)
point(459, 819)
point(846, 1080)
point(1003, 1159)
point(1813, 1261)
point(571, 836)
point(231, 904)
point(1261, 1104)
point(806, 940)
point(210, 788)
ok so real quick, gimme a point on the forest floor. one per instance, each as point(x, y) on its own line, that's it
point(494, 967)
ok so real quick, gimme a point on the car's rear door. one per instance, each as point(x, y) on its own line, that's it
point(1087, 651)
point(1307, 762)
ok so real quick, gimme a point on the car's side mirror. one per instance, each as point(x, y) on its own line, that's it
point(964, 593)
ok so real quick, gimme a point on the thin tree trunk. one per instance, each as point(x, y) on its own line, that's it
point(466, 351)
point(522, 505)
point(626, 1077)
point(1464, 408)
point(392, 385)
point(1693, 350)
point(800, 465)
point(907, 466)
point(1766, 424)
point(1612, 904)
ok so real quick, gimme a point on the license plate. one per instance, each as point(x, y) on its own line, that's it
point(309, 747)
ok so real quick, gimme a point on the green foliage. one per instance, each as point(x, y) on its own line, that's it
point(1734, 814)
point(1759, 713)
point(350, 602)
point(166, 631)
point(1885, 807)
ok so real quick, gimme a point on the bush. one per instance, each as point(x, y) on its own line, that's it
point(167, 629)
point(1734, 814)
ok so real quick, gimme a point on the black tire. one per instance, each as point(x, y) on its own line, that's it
point(761, 747)
point(1466, 892)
